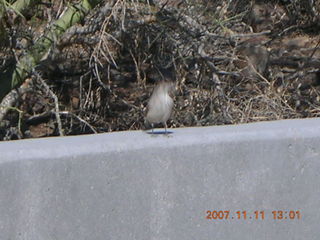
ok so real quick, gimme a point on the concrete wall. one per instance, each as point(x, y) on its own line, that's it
point(131, 185)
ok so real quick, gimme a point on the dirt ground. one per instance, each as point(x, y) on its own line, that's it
point(233, 62)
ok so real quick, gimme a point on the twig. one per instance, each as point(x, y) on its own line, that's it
point(315, 49)
point(137, 68)
point(251, 34)
point(79, 118)
point(20, 116)
point(56, 103)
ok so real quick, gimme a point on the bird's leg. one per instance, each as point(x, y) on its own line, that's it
point(152, 128)
point(166, 133)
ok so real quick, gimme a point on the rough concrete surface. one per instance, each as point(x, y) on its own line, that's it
point(131, 185)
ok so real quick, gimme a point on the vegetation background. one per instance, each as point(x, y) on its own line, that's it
point(79, 67)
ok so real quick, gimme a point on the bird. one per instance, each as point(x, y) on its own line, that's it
point(160, 104)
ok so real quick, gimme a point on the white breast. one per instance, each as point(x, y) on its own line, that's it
point(159, 106)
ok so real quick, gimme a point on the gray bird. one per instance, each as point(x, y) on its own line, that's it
point(160, 104)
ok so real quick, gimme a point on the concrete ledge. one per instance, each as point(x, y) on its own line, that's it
point(130, 185)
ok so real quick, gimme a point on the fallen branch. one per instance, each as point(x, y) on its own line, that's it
point(25, 65)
